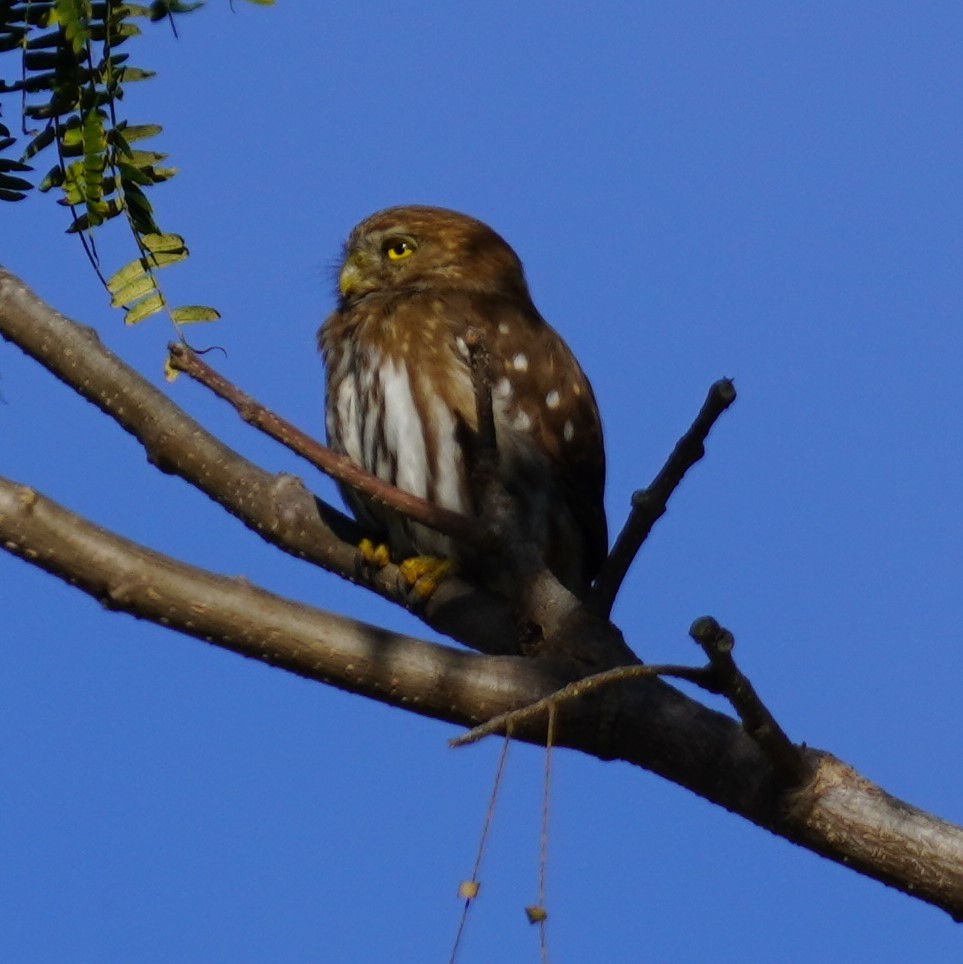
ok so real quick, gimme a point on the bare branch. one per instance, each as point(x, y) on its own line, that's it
point(277, 507)
point(760, 724)
point(339, 467)
point(643, 721)
point(236, 615)
point(648, 505)
point(505, 723)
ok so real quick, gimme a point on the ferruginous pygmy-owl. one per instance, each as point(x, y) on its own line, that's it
point(400, 398)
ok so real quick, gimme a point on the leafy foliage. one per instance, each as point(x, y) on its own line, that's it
point(72, 76)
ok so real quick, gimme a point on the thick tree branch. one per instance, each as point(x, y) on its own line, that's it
point(832, 810)
point(277, 507)
point(835, 812)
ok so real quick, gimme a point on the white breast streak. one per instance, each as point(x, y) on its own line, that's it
point(403, 432)
point(449, 469)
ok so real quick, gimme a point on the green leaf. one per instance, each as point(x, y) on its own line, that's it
point(41, 60)
point(125, 275)
point(129, 75)
point(7, 164)
point(159, 9)
point(163, 242)
point(144, 309)
point(53, 178)
point(190, 314)
point(145, 158)
point(73, 136)
point(131, 293)
point(161, 259)
point(133, 175)
point(13, 39)
point(138, 132)
point(40, 140)
point(14, 183)
point(79, 225)
point(158, 175)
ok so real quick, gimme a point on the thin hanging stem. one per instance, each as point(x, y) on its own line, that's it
point(543, 854)
point(470, 887)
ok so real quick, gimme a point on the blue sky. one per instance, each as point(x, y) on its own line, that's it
point(770, 192)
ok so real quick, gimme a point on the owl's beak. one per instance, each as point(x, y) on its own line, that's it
point(351, 279)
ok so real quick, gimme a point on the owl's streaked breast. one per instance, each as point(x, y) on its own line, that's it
point(387, 418)
point(401, 402)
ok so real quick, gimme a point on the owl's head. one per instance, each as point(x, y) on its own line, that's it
point(416, 247)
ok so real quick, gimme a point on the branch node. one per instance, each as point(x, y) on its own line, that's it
point(717, 643)
point(649, 504)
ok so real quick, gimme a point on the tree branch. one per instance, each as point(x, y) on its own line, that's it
point(645, 722)
point(759, 723)
point(833, 811)
point(649, 505)
point(339, 467)
point(277, 507)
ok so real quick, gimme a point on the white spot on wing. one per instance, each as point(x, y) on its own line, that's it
point(504, 328)
point(520, 362)
point(552, 399)
point(568, 430)
point(522, 421)
point(502, 389)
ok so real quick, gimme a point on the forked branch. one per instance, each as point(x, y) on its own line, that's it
point(835, 812)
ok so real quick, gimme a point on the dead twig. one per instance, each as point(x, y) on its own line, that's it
point(508, 722)
point(758, 722)
point(331, 463)
point(648, 505)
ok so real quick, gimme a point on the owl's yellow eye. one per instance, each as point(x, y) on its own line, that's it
point(398, 249)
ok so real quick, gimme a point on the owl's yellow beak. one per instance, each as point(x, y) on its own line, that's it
point(351, 278)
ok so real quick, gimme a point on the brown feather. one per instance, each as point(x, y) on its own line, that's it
point(400, 398)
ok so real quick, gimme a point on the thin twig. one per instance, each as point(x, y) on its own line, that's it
point(759, 723)
point(511, 719)
point(332, 463)
point(649, 504)
point(543, 843)
point(470, 887)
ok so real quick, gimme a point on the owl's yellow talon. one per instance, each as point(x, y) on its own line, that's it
point(374, 554)
point(424, 574)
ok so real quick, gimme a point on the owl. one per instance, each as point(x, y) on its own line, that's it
point(400, 400)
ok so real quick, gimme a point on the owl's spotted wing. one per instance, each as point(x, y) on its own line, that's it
point(544, 403)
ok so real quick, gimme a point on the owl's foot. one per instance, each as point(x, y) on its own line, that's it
point(424, 574)
point(375, 555)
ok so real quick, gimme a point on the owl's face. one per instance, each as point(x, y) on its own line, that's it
point(413, 248)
